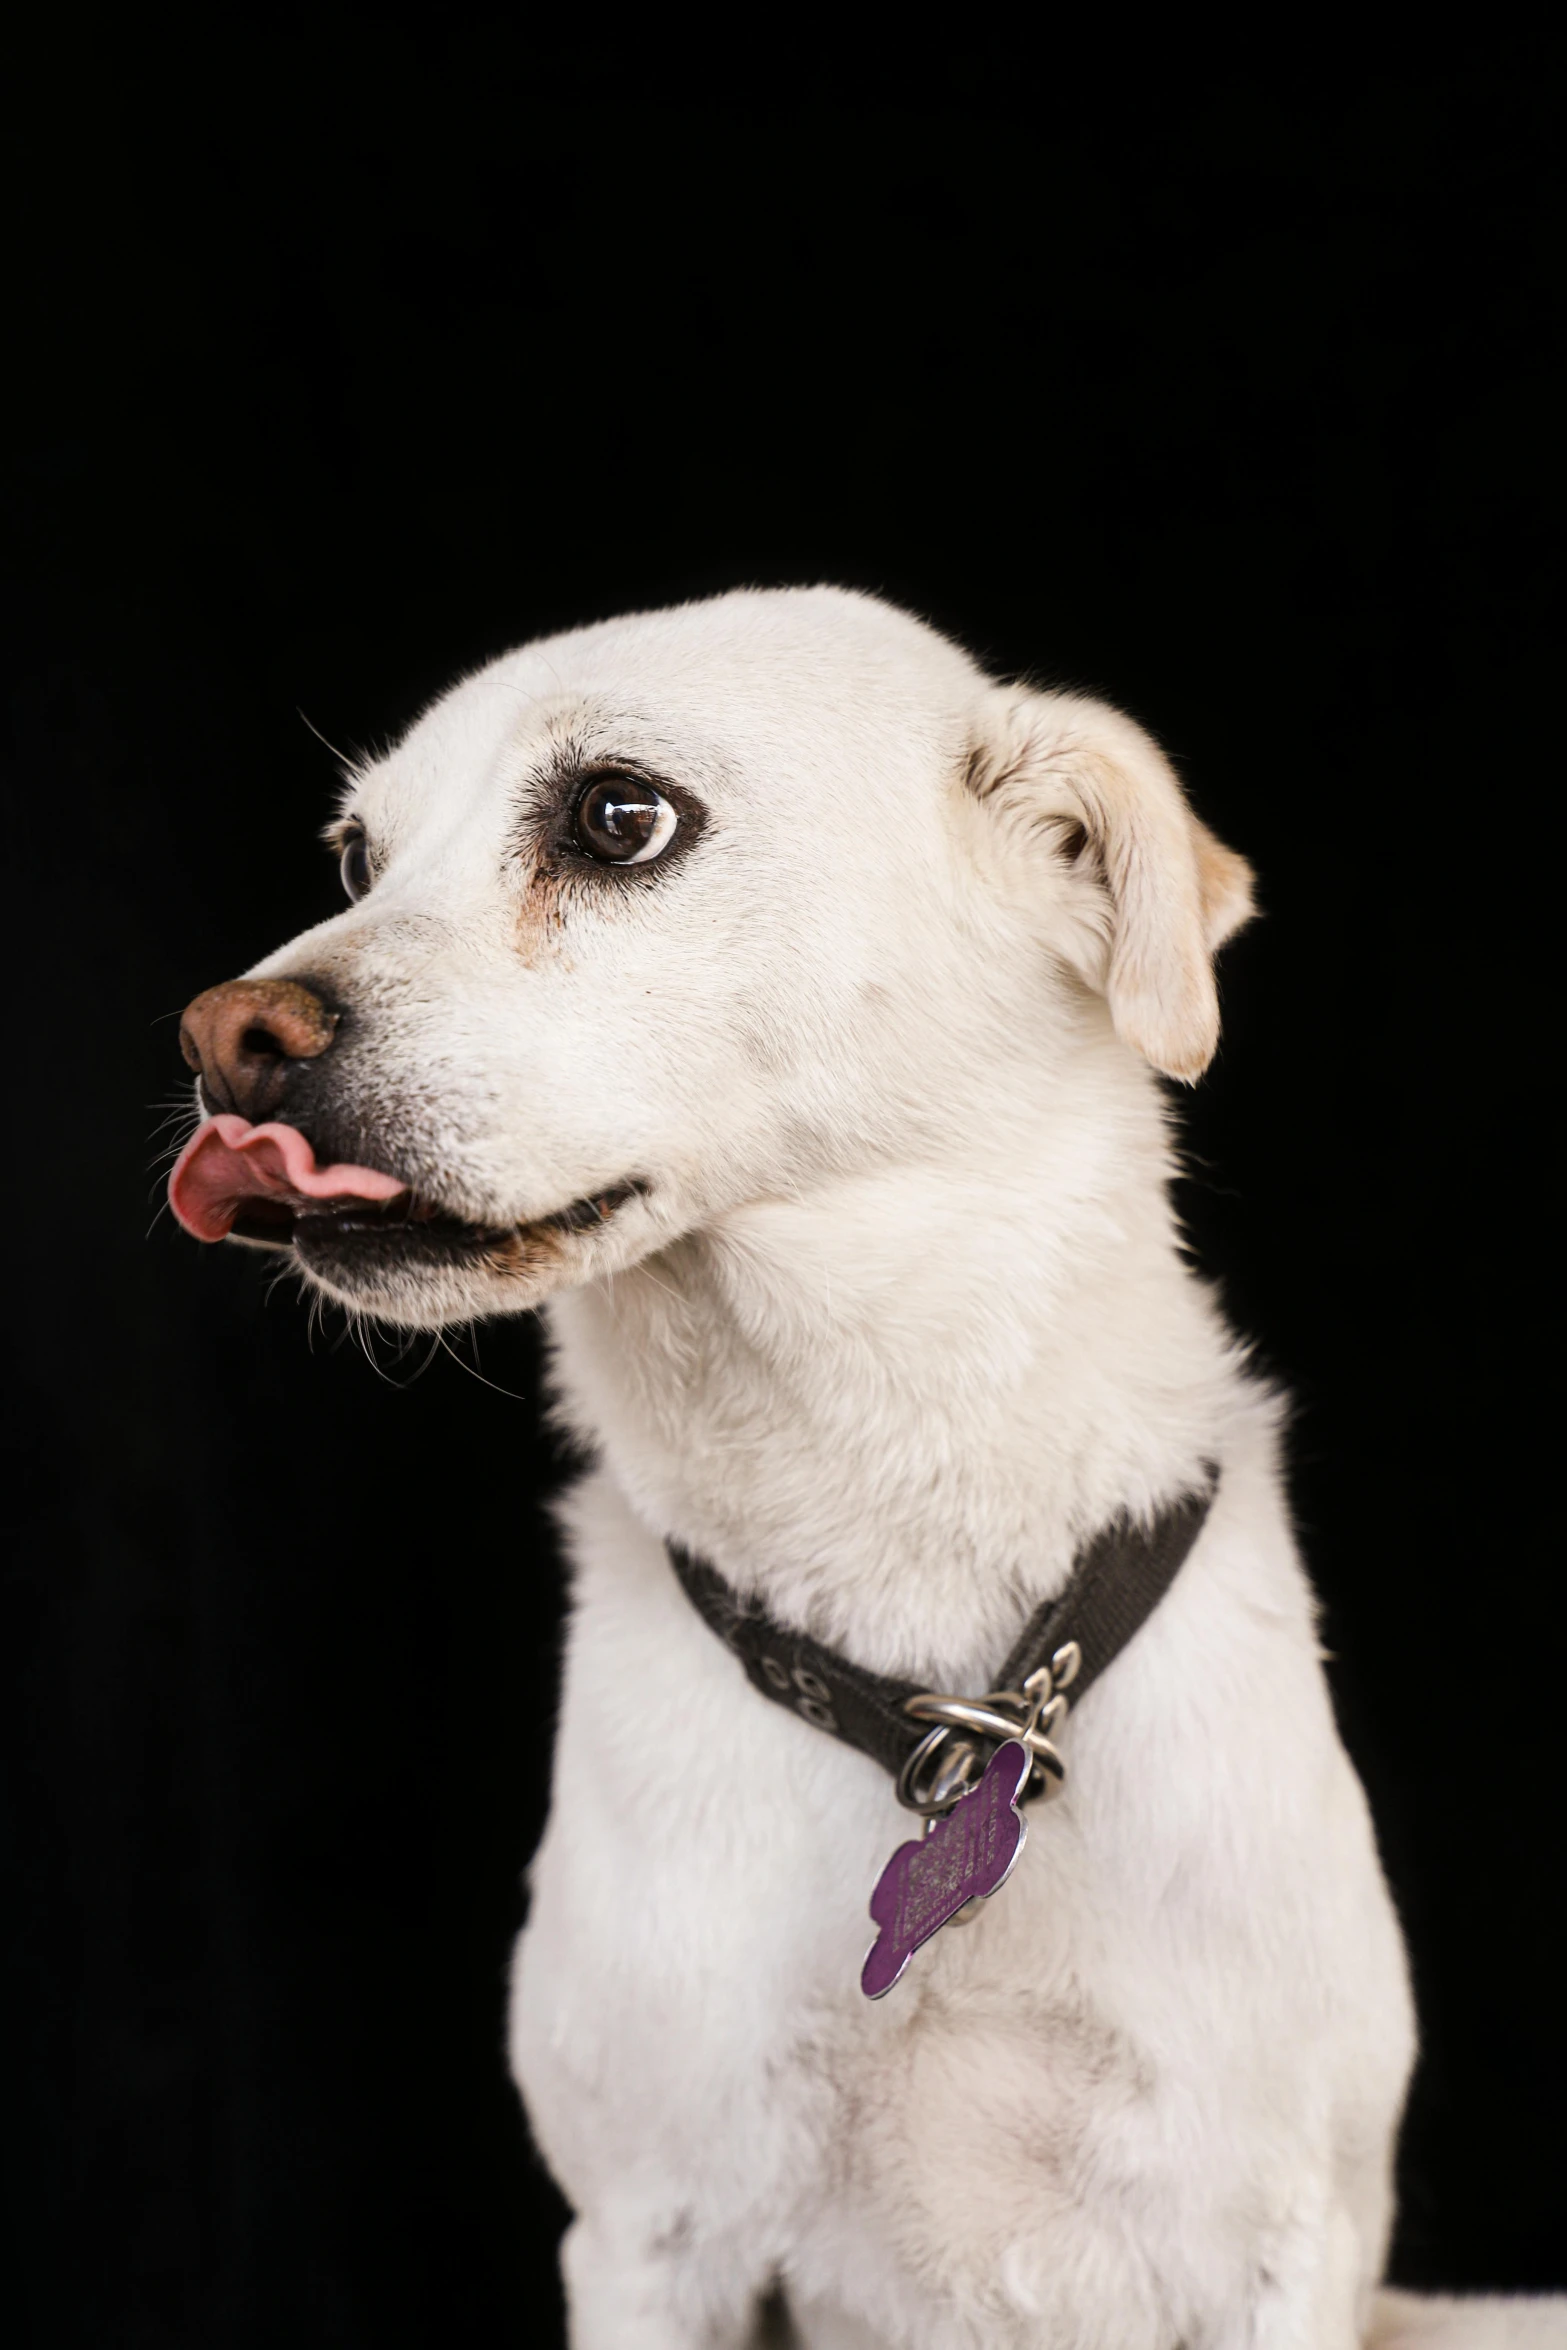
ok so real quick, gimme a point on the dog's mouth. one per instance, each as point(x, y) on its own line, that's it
point(235, 1181)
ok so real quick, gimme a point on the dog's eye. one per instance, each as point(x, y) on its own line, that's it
point(622, 822)
point(354, 863)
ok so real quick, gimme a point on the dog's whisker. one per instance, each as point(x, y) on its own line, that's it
point(473, 1372)
point(352, 765)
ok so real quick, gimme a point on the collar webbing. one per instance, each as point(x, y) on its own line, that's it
point(1118, 1580)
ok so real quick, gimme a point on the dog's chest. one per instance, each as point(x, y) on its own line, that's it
point(701, 1916)
point(691, 2039)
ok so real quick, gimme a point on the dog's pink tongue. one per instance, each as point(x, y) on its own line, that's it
point(228, 1161)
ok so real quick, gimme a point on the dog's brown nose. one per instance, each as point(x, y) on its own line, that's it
point(242, 1036)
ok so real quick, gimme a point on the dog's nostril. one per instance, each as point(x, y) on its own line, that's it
point(260, 1043)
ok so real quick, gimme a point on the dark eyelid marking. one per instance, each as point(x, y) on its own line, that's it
point(547, 807)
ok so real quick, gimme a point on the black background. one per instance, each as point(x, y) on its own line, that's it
point(359, 348)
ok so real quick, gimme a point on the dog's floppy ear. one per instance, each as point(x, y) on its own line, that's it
point(1134, 893)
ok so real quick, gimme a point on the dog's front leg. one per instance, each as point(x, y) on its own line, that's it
point(634, 2283)
point(1313, 2293)
point(671, 1985)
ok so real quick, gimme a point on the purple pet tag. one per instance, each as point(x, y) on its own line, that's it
point(968, 1853)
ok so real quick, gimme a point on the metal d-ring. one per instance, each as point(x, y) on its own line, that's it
point(963, 1713)
point(1042, 1709)
point(942, 1790)
point(984, 1715)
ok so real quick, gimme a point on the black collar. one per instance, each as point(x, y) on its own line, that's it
point(1118, 1580)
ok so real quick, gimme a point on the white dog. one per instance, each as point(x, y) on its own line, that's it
point(782, 998)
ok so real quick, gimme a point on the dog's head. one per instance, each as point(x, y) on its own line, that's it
point(683, 911)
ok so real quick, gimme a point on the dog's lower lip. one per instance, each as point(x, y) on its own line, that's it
point(278, 1223)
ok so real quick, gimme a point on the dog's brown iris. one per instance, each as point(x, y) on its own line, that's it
point(622, 821)
point(354, 862)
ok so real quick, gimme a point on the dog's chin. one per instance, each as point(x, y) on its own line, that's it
point(423, 1270)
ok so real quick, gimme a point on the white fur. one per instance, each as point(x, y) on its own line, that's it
point(901, 1317)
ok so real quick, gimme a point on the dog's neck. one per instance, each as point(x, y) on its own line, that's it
point(894, 1406)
